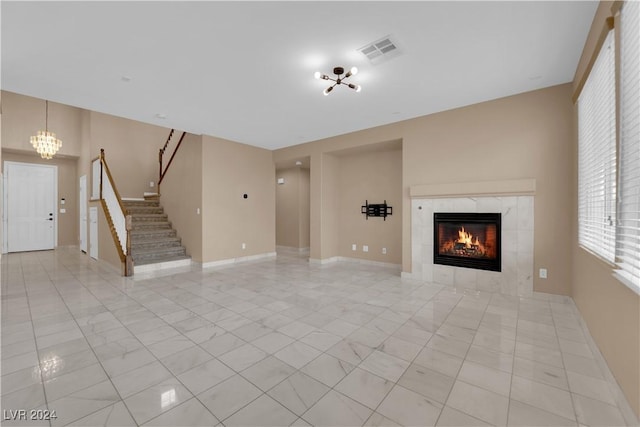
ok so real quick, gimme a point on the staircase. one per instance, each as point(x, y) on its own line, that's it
point(154, 244)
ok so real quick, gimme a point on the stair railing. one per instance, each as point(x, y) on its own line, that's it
point(161, 154)
point(117, 216)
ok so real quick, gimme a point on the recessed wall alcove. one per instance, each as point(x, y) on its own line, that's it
point(514, 200)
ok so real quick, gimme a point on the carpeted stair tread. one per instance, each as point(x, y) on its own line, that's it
point(153, 240)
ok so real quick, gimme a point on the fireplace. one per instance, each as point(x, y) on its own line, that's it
point(470, 240)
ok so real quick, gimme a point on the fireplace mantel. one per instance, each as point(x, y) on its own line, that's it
point(514, 187)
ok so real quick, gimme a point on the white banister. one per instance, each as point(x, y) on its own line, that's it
point(120, 223)
point(113, 205)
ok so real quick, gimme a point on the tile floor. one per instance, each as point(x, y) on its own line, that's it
point(282, 342)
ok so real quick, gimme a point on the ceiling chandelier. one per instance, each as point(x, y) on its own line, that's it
point(45, 142)
point(338, 71)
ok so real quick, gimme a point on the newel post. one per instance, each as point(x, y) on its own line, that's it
point(128, 260)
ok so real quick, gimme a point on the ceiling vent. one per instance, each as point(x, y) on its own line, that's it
point(380, 50)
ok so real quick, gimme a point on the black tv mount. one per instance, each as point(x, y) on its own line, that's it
point(379, 209)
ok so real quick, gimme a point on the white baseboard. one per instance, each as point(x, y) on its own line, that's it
point(323, 261)
point(231, 261)
point(291, 249)
point(354, 261)
point(370, 262)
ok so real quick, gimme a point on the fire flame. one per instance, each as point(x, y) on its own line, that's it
point(467, 238)
point(468, 245)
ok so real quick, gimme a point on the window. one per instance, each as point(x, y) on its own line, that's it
point(597, 156)
point(628, 227)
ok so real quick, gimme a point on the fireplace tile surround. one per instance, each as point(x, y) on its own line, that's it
point(516, 277)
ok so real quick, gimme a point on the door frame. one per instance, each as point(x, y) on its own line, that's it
point(5, 200)
point(83, 206)
point(93, 247)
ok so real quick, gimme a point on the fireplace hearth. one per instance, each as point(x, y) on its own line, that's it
point(470, 240)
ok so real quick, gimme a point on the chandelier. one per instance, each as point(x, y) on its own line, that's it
point(338, 71)
point(45, 142)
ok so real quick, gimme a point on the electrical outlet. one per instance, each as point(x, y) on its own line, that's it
point(354, 247)
point(365, 248)
point(543, 273)
point(244, 246)
point(384, 251)
point(152, 184)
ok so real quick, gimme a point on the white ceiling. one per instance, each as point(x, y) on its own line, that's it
point(244, 70)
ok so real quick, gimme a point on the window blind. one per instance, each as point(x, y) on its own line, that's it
point(628, 227)
point(597, 156)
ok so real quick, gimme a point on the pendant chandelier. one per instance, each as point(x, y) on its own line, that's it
point(45, 142)
point(338, 71)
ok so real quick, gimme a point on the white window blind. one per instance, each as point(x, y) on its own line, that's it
point(597, 156)
point(628, 227)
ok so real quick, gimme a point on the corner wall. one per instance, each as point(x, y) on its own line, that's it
point(181, 195)
point(610, 309)
point(292, 208)
point(375, 176)
point(230, 170)
point(131, 150)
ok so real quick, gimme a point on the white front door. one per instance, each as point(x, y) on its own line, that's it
point(93, 232)
point(83, 213)
point(31, 206)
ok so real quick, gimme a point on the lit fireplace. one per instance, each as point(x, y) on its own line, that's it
point(469, 240)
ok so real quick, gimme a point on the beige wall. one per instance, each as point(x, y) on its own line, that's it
point(24, 116)
point(230, 170)
point(522, 136)
point(181, 195)
point(292, 208)
point(107, 250)
point(131, 149)
point(304, 208)
point(610, 309)
point(68, 188)
point(374, 176)
point(329, 203)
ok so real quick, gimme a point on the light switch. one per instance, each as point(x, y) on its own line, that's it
point(63, 210)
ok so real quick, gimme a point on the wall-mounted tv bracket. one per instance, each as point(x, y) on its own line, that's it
point(379, 209)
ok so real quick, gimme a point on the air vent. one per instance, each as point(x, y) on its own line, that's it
point(380, 50)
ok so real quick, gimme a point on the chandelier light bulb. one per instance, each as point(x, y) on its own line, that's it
point(339, 79)
point(358, 88)
point(44, 142)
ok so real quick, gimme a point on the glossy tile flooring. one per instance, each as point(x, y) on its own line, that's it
point(284, 342)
